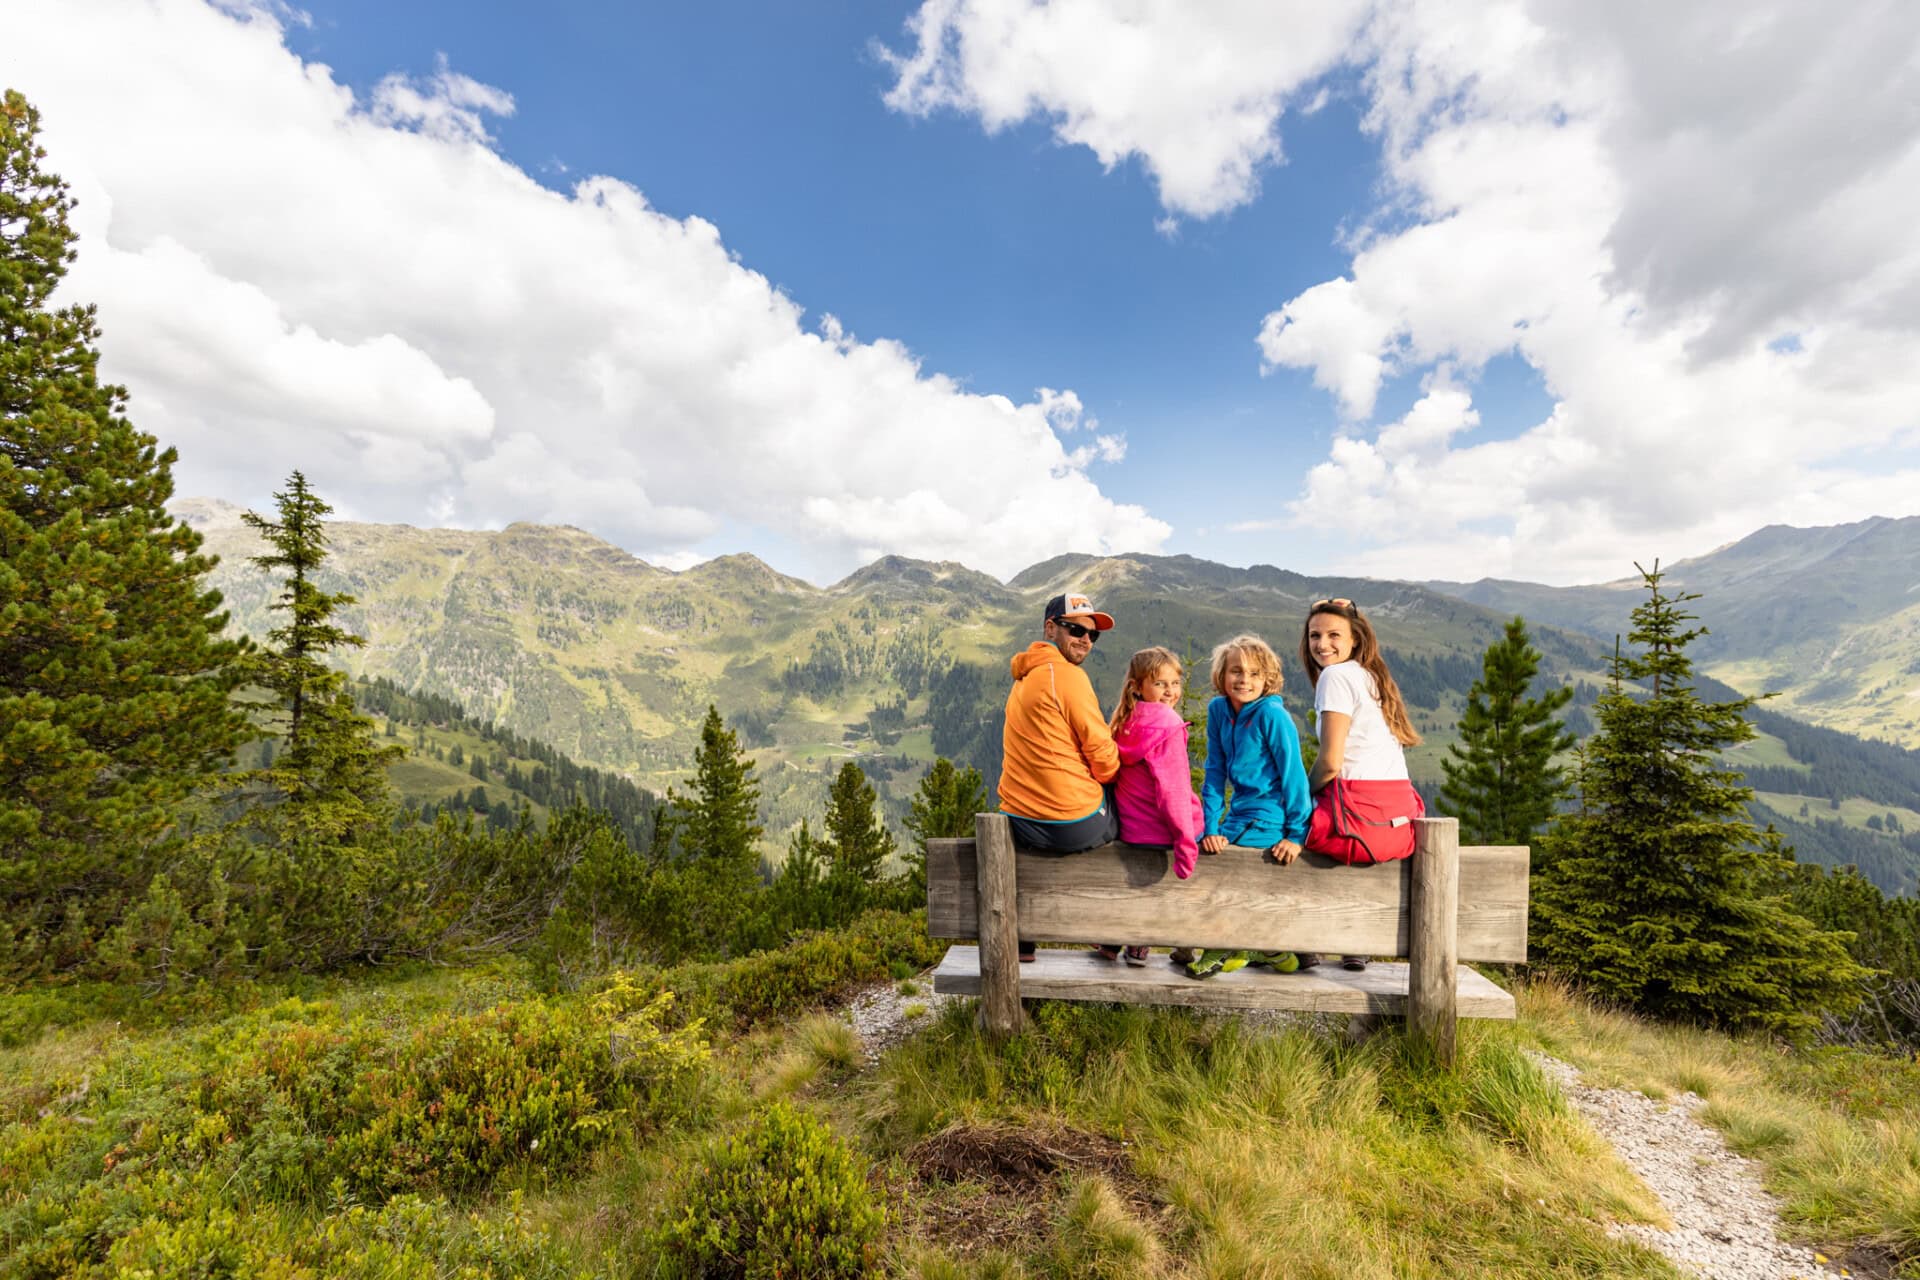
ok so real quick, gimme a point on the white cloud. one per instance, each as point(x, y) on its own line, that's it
point(363, 289)
point(1694, 224)
point(1194, 91)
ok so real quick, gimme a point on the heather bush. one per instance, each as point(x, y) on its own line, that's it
point(813, 970)
point(785, 1198)
point(184, 1144)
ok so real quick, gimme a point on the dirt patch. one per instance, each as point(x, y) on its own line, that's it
point(978, 1188)
point(1017, 1157)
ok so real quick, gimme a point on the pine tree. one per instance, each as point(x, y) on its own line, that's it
point(942, 807)
point(1660, 893)
point(331, 776)
point(114, 680)
point(710, 835)
point(858, 843)
point(1501, 780)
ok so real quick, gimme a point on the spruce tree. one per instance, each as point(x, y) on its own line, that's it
point(1659, 892)
point(331, 774)
point(942, 807)
point(709, 835)
point(114, 680)
point(858, 843)
point(1500, 778)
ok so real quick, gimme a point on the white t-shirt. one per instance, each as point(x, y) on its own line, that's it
point(1372, 751)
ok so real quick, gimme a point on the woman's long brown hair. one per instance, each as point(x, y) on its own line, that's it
point(1366, 652)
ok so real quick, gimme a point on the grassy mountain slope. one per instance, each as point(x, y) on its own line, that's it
point(561, 638)
point(1828, 619)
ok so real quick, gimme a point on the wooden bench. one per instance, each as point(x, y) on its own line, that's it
point(1441, 906)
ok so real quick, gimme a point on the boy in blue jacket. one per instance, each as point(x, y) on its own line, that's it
point(1252, 744)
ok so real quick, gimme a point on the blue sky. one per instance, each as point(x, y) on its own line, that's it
point(1006, 261)
point(1509, 298)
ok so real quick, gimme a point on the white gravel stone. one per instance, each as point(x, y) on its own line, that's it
point(879, 1014)
point(1725, 1224)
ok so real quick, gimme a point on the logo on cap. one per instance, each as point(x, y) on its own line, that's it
point(1074, 605)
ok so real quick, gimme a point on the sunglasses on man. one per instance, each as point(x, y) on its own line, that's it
point(1077, 631)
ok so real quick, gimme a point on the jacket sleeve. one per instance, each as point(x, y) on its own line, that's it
point(1173, 788)
point(1296, 801)
point(1213, 790)
point(1090, 729)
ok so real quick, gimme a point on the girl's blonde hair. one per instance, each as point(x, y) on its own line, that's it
point(1140, 667)
point(1366, 652)
point(1253, 652)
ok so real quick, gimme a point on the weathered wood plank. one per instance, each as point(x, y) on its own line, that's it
point(1236, 898)
point(999, 958)
point(1432, 962)
point(1080, 975)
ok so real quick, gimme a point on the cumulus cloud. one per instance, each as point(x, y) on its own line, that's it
point(1695, 225)
point(1195, 92)
point(363, 288)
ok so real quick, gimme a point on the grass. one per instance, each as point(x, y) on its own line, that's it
point(1853, 811)
point(1837, 1130)
point(1132, 1141)
point(1276, 1152)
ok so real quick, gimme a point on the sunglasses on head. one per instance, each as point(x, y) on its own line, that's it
point(1334, 604)
point(1077, 631)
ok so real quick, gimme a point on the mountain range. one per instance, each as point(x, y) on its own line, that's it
point(561, 637)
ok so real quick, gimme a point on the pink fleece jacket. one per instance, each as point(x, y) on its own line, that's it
point(1153, 793)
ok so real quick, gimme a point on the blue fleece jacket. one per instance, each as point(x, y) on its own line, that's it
point(1258, 751)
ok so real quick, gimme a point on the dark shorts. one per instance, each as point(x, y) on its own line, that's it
point(1102, 826)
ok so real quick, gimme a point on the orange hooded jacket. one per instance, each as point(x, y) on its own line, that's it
point(1057, 749)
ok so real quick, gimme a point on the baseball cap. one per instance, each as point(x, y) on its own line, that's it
point(1074, 605)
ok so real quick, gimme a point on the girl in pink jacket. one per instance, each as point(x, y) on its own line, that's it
point(1153, 793)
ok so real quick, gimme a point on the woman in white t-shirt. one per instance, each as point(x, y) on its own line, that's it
point(1359, 714)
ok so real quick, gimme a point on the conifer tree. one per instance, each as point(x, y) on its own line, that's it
point(114, 680)
point(942, 807)
point(1500, 778)
point(709, 834)
point(858, 843)
point(332, 773)
point(1659, 892)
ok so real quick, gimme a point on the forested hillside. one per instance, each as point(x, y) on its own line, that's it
point(1828, 618)
point(559, 638)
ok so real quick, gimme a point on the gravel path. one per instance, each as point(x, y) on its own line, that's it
point(1725, 1224)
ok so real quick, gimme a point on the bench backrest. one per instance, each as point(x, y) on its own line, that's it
point(1125, 893)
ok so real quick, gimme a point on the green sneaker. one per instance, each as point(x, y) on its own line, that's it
point(1207, 963)
point(1279, 961)
point(1235, 960)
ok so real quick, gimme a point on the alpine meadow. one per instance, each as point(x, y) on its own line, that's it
point(467, 894)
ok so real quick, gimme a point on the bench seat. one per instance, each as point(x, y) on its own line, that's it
point(1081, 975)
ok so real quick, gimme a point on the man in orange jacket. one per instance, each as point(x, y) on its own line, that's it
point(1057, 753)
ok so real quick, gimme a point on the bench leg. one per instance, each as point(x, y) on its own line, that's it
point(1000, 1014)
point(1433, 949)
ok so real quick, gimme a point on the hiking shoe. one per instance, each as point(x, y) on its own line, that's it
point(1234, 960)
point(1353, 964)
point(1309, 960)
point(1135, 956)
point(1026, 953)
point(1279, 961)
point(1107, 951)
point(1206, 964)
point(1183, 956)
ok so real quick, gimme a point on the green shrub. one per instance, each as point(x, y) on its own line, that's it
point(302, 1105)
point(785, 1198)
point(815, 969)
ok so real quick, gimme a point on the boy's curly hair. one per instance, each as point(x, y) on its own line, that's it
point(1255, 653)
